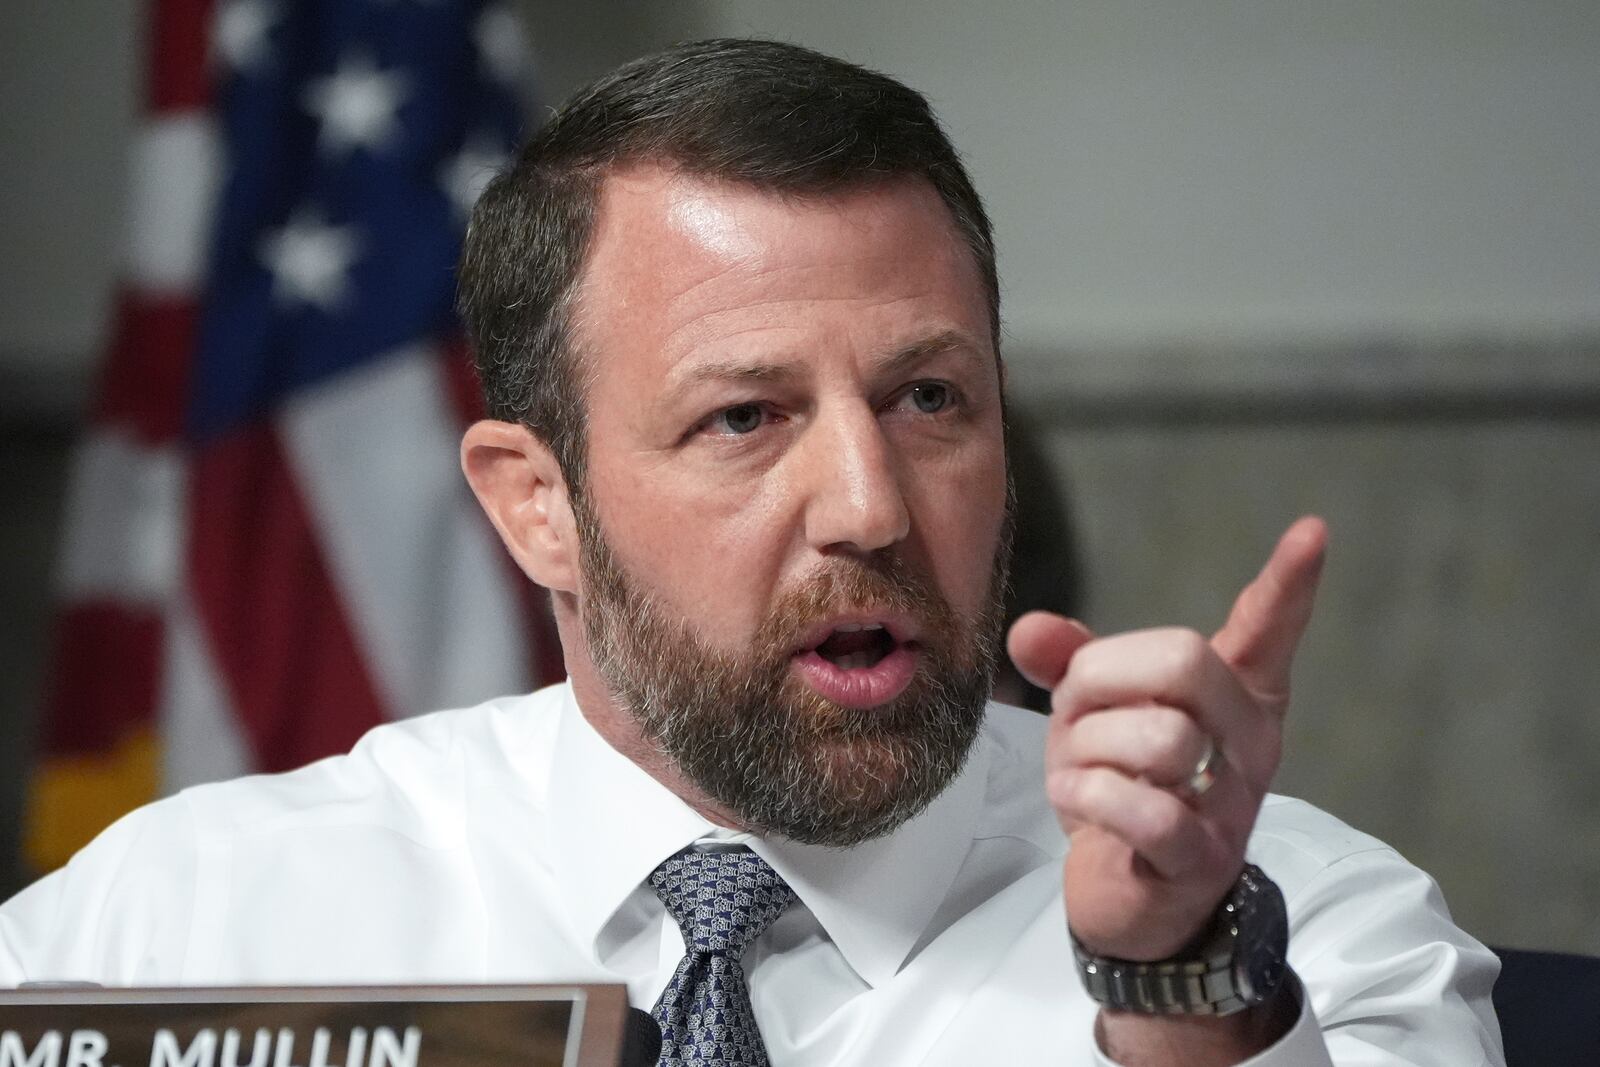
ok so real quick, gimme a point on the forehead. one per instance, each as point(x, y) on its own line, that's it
point(678, 258)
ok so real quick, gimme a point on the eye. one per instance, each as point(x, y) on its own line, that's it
point(930, 397)
point(738, 420)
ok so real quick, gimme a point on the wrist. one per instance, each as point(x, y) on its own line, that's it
point(1237, 962)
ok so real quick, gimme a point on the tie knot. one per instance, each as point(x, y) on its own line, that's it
point(721, 900)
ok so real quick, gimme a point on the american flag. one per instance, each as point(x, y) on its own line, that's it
point(269, 547)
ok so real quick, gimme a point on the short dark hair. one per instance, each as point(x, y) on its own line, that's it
point(772, 115)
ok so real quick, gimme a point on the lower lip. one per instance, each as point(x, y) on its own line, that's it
point(860, 687)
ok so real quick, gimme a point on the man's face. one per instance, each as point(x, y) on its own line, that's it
point(795, 502)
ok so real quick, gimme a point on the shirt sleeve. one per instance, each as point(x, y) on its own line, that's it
point(116, 914)
point(1390, 978)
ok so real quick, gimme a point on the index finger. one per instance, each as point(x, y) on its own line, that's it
point(1271, 614)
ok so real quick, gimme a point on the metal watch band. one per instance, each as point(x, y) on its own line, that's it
point(1223, 972)
point(1165, 987)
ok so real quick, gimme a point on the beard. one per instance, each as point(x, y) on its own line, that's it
point(754, 738)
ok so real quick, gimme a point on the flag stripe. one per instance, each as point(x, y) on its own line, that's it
point(94, 711)
point(289, 661)
point(179, 73)
point(146, 376)
point(360, 444)
point(203, 737)
point(175, 169)
point(122, 527)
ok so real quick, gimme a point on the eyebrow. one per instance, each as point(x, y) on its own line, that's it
point(771, 371)
point(937, 344)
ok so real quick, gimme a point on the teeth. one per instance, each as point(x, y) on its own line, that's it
point(857, 627)
point(855, 661)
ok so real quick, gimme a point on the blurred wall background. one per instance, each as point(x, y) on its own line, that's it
point(1259, 258)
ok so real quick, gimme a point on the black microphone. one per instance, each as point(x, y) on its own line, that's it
point(641, 1039)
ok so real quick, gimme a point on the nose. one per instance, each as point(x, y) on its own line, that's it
point(856, 502)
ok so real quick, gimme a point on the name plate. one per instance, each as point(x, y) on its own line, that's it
point(347, 1026)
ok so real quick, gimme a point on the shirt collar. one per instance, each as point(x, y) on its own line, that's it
point(874, 899)
point(610, 822)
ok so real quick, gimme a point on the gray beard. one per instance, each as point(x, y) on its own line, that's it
point(761, 743)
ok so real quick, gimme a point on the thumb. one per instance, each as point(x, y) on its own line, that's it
point(1042, 644)
point(1265, 626)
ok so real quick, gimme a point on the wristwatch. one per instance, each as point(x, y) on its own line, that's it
point(1237, 962)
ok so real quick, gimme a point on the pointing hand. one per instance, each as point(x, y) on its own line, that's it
point(1132, 717)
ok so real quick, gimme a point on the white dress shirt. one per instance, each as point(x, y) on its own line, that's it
point(510, 843)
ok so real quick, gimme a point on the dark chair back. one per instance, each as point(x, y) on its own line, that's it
point(1549, 1008)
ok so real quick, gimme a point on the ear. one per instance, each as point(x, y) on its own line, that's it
point(521, 488)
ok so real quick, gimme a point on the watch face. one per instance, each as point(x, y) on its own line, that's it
point(1262, 942)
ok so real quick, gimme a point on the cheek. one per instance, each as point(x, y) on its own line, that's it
point(961, 516)
point(708, 551)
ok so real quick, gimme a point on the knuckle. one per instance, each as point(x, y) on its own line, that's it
point(1187, 653)
point(1084, 675)
point(1061, 701)
point(1088, 790)
point(1097, 673)
point(1062, 787)
point(1166, 730)
point(1168, 737)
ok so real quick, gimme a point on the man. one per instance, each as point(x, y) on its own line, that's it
point(736, 315)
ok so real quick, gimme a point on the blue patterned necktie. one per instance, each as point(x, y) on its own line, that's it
point(721, 901)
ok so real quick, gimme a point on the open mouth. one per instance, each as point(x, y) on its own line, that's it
point(860, 664)
point(856, 646)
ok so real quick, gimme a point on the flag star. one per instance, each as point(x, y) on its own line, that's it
point(498, 34)
point(466, 174)
point(357, 105)
point(310, 261)
point(242, 27)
